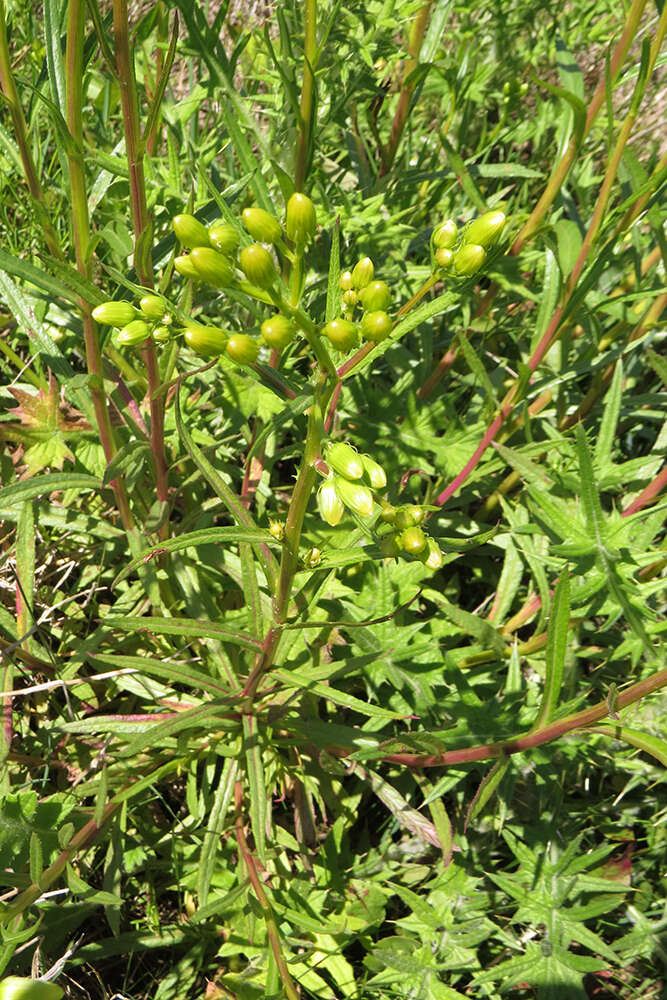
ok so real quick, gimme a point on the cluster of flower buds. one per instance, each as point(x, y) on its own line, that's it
point(407, 537)
point(358, 287)
point(152, 320)
point(352, 479)
point(464, 253)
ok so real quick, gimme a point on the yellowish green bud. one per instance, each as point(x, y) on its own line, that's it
point(469, 259)
point(345, 460)
point(190, 232)
point(207, 341)
point(350, 299)
point(278, 331)
point(390, 547)
point(443, 258)
point(313, 557)
point(300, 221)
point(486, 229)
point(261, 225)
point(330, 506)
point(444, 236)
point(277, 530)
point(362, 273)
point(224, 237)
point(407, 517)
point(373, 472)
point(345, 281)
point(212, 267)
point(356, 497)
point(114, 313)
point(160, 334)
point(432, 555)
point(134, 333)
point(185, 267)
point(375, 326)
point(257, 265)
point(152, 306)
point(18, 988)
point(242, 349)
point(375, 296)
point(342, 334)
point(413, 541)
point(388, 513)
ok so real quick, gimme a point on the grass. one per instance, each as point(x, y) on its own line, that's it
point(247, 752)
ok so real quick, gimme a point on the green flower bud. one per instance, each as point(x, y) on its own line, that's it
point(375, 326)
point(485, 230)
point(184, 266)
point(375, 296)
point(390, 547)
point(277, 530)
point(350, 298)
point(345, 460)
point(152, 306)
point(114, 313)
point(257, 265)
point(443, 258)
point(224, 237)
point(412, 541)
point(330, 507)
point(407, 517)
point(18, 988)
point(362, 273)
point(342, 334)
point(345, 281)
point(261, 225)
point(278, 331)
point(207, 341)
point(373, 472)
point(134, 333)
point(432, 556)
point(388, 513)
point(313, 557)
point(469, 259)
point(212, 267)
point(160, 334)
point(444, 236)
point(242, 349)
point(356, 497)
point(190, 231)
point(300, 220)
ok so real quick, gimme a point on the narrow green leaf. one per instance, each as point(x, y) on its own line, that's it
point(477, 368)
point(39, 486)
point(100, 796)
point(184, 627)
point(605, 438)
point(36, 858)
point(256, 784)
point(214, 826)
point(646, 742)
point(206, 536)
point(333, 288)
point(25, 570)
point(330, 694)
point(486, 790)
point(556, 649)
point(173, 673)
point(477, 627)
point(42, 280)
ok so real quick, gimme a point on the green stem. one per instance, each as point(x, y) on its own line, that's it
point(81, 228)
point(307, 89)
point(142, 238)
point(21, 135)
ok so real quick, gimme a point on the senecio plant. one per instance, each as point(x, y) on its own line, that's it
point(271, 271)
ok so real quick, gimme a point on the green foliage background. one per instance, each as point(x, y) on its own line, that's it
point(401, 847)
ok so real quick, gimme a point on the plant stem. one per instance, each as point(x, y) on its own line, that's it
point(81, 228)
point(417, 31)
point(256, 883)
point(21, 134)
point(142, 239)
point(307, 90)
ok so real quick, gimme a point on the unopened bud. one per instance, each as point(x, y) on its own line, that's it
point(375, 326)
point(212, 267)
point(342, 334)
point(374, 473)
point(345, 281)
point(242, 349)
point(329, 503)
point(432, 555)
point(345, 460)
point(356, 497)
point(444, 235)
point(224, 237)
point(469, 259)
point(114, 313)
point(152, 306)
point(257, 265)
point(375, 296)
point(362, 273)
point(300, 221)
point(190, 231)
point(277, 331)
point(185, 267)
point(412, 541)
point(134, 333)
point(443, 258)
point(485, 230)
point(261, 225)
point(207, 341)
